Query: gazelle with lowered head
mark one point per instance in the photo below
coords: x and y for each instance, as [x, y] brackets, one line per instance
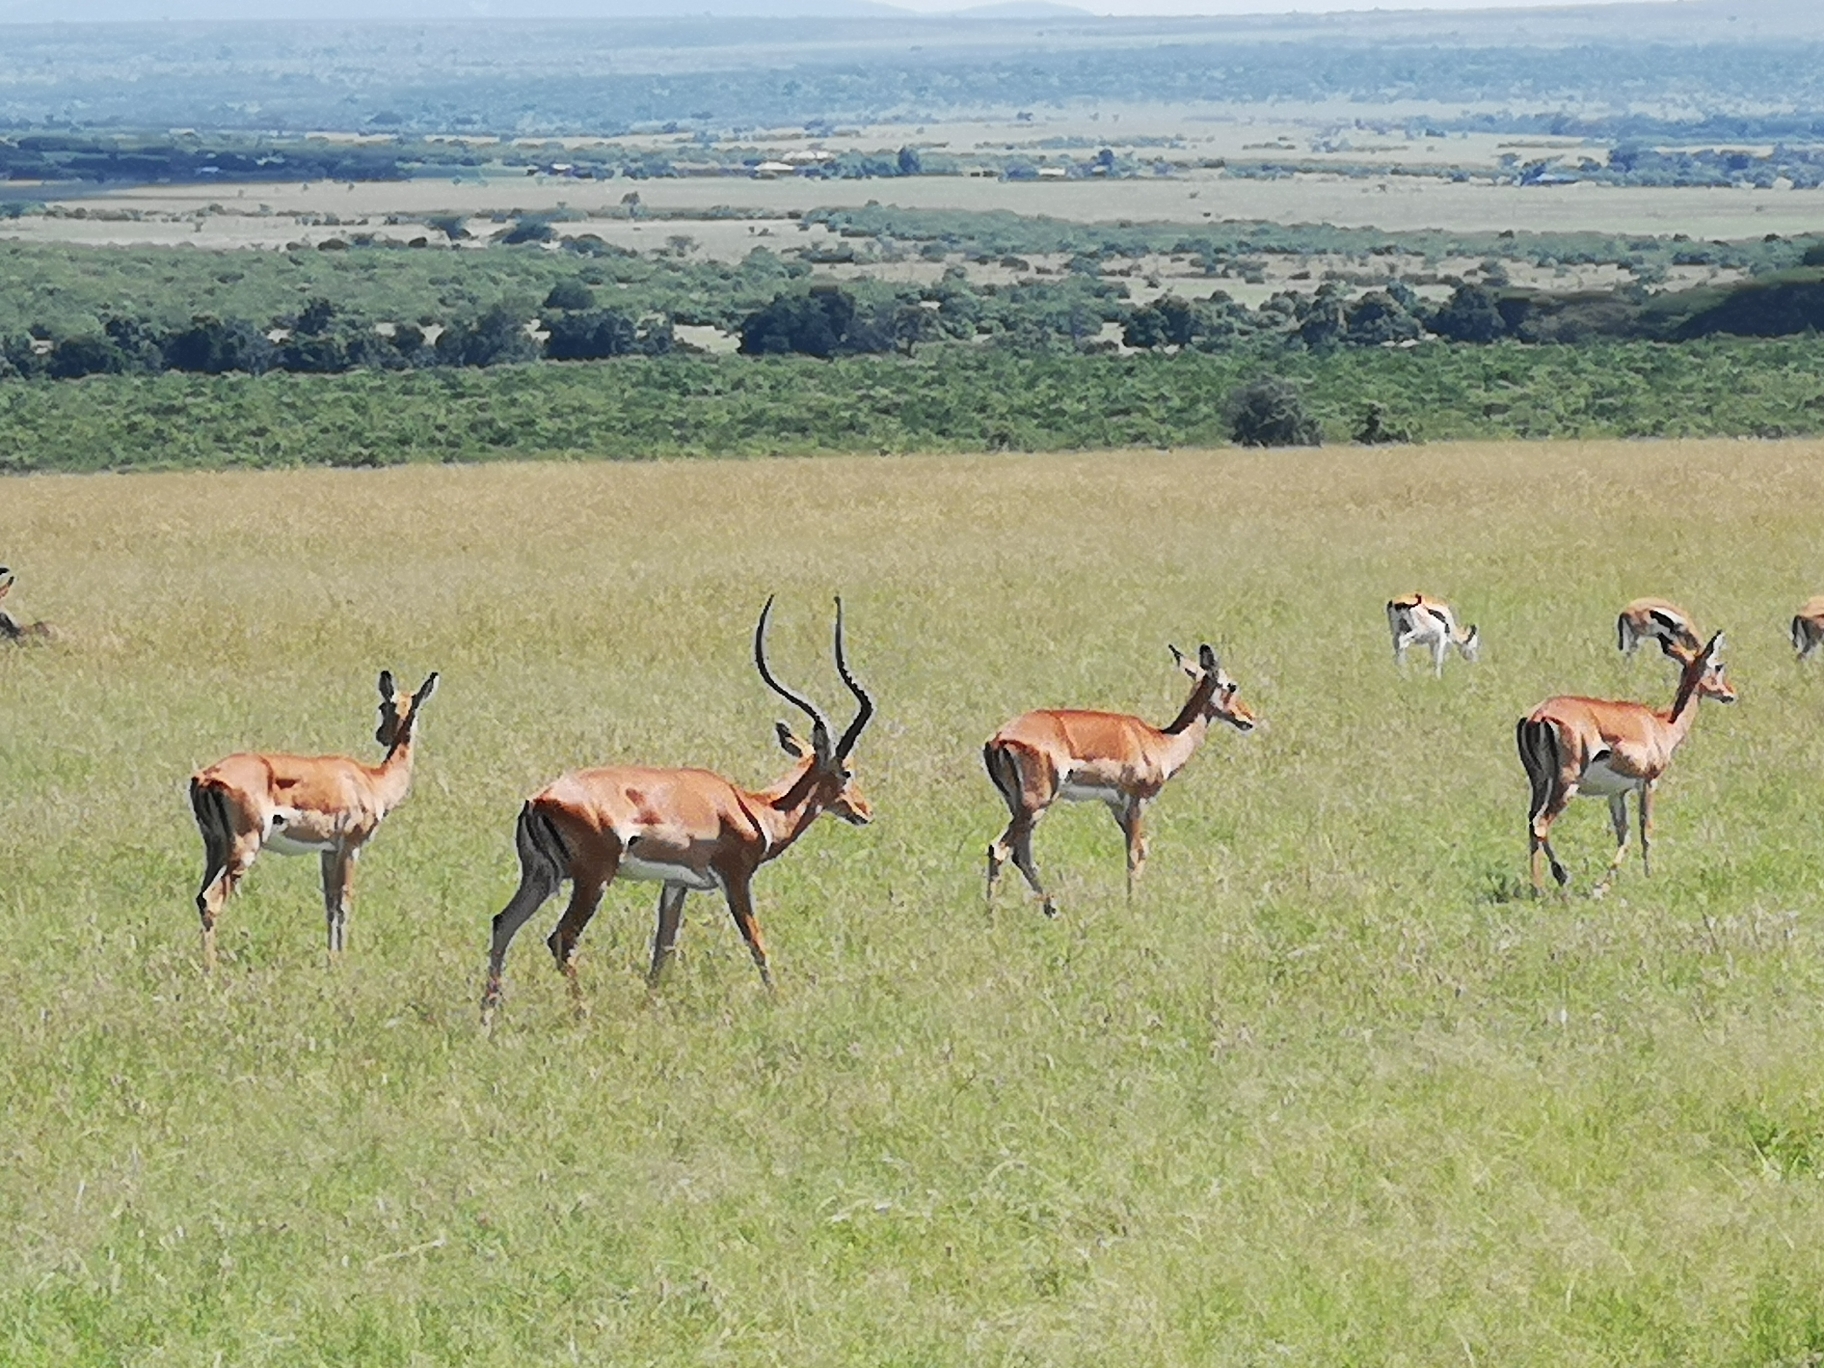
[1808, 627]
[1421, 620]
[1066, 755]
[688, 830]
[11, 629]
[324, 805]
[1656, 620]
[1598, 748]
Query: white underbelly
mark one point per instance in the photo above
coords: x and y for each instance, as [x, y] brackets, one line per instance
[1599, 781]
[1072, 791]
[281, 844]
[653, 871]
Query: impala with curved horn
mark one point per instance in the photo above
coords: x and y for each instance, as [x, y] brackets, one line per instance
[324, 805]
[1604, 749]
[1656, 620]
[688, 830]
[1066, 755]
[1421, 620]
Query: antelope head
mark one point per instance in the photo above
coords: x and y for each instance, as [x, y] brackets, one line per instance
[823, 763]
[1703, 672]
[1471, 644]
[1219, 691]
[399, 711]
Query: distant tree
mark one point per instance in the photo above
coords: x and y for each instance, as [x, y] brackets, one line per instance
[315, 317]
[531, 228]
[1167, 322]
[1373, 430]
[1813, 255]
[910, 164]
[498, 337]
[590, 335]
[1269, 411]
[215, 346]
[452, 226]
[820, 324]
[1378, 318]
[1469, 315]
[570, 293]
[87, 355]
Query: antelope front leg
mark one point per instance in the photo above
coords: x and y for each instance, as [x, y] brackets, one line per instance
[1131, 819]
[665, 939]
[338, 895]
[1646, 827]
[741, 907]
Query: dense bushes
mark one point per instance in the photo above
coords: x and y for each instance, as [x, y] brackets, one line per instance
[948, 399]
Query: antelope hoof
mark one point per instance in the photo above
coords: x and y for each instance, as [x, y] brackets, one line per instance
[1050, 908]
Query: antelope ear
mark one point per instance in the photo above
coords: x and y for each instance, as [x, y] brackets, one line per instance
[1206, 657]
[387, 691]
[1183, 664]
[790, 743]
[425, 690]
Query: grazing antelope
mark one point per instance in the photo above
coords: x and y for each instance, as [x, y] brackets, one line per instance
[11, 629]
[1421, 620]
[1604, 749]
[1054, 755]
[326, 805]
[688, 830]
[1651, 619]
[1808, 627]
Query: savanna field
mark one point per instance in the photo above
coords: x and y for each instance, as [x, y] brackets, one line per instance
[1332, 1088]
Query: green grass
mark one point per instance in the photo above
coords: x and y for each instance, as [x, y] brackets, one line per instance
[950, 398]
[1329, 1090]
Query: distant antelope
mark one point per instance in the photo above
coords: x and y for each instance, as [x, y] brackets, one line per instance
[688, 830]
[1056, 754]
[1808, 627]
[326, 805]
[1652, 619]
[11, 629]
[1421, 620]
[1602, 749]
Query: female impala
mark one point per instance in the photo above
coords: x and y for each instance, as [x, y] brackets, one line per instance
[327, 805]
[1808, 627]
[1421, 620]
[1043, 757]
[1652, 619]
[688, 830]
[1605, 749]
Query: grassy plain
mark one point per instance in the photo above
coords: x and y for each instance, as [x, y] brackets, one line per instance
[1329, 1090]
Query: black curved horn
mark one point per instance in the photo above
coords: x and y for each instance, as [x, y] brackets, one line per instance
[853, 734]
[820, 729]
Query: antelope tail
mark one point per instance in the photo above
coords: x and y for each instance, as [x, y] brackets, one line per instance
[1798, 633]
[1538, 745]
[541, 846]
[1003, 772]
